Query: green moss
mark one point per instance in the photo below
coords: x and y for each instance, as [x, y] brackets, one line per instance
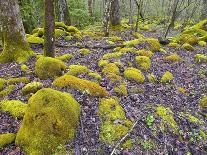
[49, 122]
[115, 38]
[102, 62]
[134, 74]
[144, 52]
[121, 89]
[188, 38]
[80, 84]
[2, 82]
[202, 43]
[85, 51]
[69, 38]
[167, 77]
[77, 69]
[201, 25]
[6, 139]
[143, 62]
[128, 144]
[111, 68]
[199, 58]
[188, 47]
[60, 25]
[59, 33]
[24, 68]
[131, 43]
[112, 55]
[47, 67]
[154, 44]
[110, 42]
[65, 57]
[6, 91]
[145, 27]
[32, 87]
[14, 107]
[38, 31]
[151, 77]
[204, 38]
[167, 116]
[110, 111]
[203, 102]
[173, 58]
[35, 40]
[95, 75]
[18, 80]
[173, 45]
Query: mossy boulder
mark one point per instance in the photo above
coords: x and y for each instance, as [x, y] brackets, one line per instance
[65, 57]
[85, 51]
[14, 107]
[173, 45]
[59, 33]
[172, 58]
[144, 52]
[6, 91]
[18, 80]
[47, 67]
[188, 47]
[35, 40]
[2, 82]
[188, 38]
[202, 43]
[95, 75]
[121, 89]
[6, 138]
[111, 68]
[154, 44]
[200, 58]
[134, 74]
[167, 77]
[49, 122]
[143, 62]
[24, 68]
[203, 102]
[102, 62]
[32, 87]
[77, 69]
[80, 84]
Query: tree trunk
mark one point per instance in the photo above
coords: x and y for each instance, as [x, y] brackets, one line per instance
[115, 13]
[130, 13]
[204, 10]
[62, 11]
[49, 29]
[90, 8]
[106, 17]
[15, 47]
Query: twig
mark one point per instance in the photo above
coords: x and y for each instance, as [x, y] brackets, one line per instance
[123, 138]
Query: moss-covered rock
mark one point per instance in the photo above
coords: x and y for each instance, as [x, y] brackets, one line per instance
[167, 77]
[59, 33]
[80, 84]
[199, 58]
[6, 91]
[85, 51]
[18, 80]
[144, 52]
[68, 38]
[154, 44]
[172, 58]
[112, 55]
[35, 40]
[95, 75]
[188, 47]
[32, 87]
[6, 138]
[24, 68]
[111, 68]
[202, 43]
[102, 62]
[77, 69]
[65, 57]
[203, 102]
[60, 25]
[49, 122]
[143, 62]
[14, 107]
[134, 74]
[47, 67]
[188, 38]
[151, 78]
[121, 89]
[173, 45]
[2, 82]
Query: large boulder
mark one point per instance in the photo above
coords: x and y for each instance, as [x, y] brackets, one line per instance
[49, 122]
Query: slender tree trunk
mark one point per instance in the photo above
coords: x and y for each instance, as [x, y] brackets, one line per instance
[204, 10]
[49, 28]
[106, 17]
[115, 13]
[15, 47]
[90, 8]
[130, 13]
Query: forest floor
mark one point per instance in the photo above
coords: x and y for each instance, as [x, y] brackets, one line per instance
[148, 137]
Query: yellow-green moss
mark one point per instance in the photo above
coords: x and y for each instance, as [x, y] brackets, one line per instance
[60, 25]
[85, 51]
[24, 68]
[128, 144]
[131, 43]
[173, 45]
[126, 49]
[204, 38]
[35, 40]
[32, 87]
[80, 84]
[121, 89]
[77, 69]
[151, 77]
[110, 111]
[2, 82]
[14, 107]
[112, 55]
[167, 116]
[18, 80]
[115, 38]
[6, 91]
[181, 90]
[49, 122]
[47, 67]
[114, 77]
[154, 44]
[38, 32]
[134, 74]
[172, 58]
[59, 33]
[68, 38]
[199, 58]
[167, 77]
[102, 62]
[188, 47]
[188, 38]
[111, 68]
[143, 62]
[6, 138]
[65, 57]
[202, 43]
[144, 52]
[145, 27]
[203, 102]
[200, 25]
[110, 42]
[118, 64]
[95, 75]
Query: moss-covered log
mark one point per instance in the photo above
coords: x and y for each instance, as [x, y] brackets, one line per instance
[15, 46]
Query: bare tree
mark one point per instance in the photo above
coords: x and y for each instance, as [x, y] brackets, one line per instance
[49, 28]
[115, 13]
[204, 10]
[90, 11]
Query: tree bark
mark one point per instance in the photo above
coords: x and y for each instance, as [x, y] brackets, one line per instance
[15, 46]
[49, 29]
[106, 17]
[204, 10]
[115, 13]
[90, 11]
